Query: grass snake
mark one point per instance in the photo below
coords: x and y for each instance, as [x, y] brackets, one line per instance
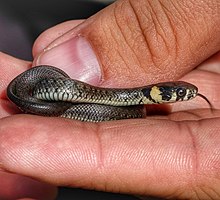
[48, 91]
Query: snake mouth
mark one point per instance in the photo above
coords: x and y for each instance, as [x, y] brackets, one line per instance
[191, 95]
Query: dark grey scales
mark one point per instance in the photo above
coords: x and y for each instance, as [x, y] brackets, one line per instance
[48, 91]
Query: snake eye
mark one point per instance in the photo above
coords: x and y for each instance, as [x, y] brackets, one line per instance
[181, 92]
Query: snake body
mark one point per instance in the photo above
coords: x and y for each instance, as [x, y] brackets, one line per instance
[47, 90]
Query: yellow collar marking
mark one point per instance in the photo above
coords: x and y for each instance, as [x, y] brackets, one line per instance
[155, 94]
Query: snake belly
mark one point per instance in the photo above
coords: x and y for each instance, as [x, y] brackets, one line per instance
[48, 91]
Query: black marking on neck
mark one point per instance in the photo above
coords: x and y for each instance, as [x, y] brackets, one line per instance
[146, 91]
[166, 93]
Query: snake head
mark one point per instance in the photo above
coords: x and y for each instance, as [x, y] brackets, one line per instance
[178, 91]
[170, 92]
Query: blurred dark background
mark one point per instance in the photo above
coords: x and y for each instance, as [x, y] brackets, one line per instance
[21, 22]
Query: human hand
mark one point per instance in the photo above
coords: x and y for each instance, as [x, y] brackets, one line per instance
[136, 43]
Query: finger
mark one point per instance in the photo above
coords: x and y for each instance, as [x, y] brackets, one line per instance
[212, 64]
[208, 83]
[17, 187]
[143, 41]
[53, 33]
[10, 68]
[119, 156]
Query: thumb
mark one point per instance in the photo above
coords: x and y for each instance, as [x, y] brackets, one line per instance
[143, 41]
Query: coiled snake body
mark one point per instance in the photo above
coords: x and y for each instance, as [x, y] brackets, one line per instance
[46, 90]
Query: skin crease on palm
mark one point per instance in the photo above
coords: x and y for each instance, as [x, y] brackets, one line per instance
[173, 156]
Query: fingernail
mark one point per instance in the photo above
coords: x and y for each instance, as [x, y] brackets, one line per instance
[76, 57]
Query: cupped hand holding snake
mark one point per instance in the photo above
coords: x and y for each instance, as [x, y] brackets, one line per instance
[129, 44]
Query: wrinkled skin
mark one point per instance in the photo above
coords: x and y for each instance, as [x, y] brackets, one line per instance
[172, 156]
